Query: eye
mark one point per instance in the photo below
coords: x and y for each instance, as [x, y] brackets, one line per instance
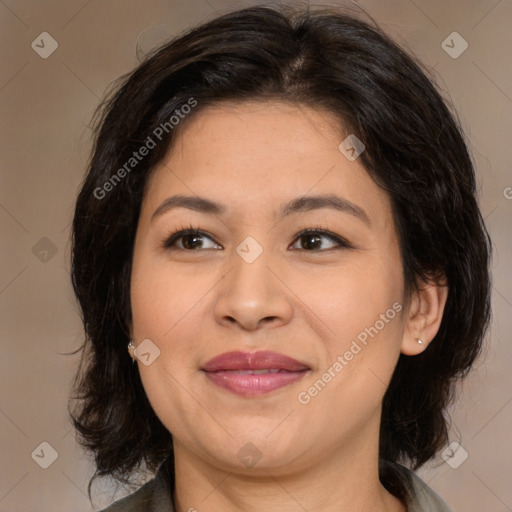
[313, 240]
[189, 239]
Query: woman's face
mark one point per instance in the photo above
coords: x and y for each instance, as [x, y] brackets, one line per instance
[250, 283]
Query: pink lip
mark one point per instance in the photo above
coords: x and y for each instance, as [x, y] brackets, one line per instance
[262, 360]
[224, 369]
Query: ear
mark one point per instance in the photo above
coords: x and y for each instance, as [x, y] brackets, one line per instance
[424, 316]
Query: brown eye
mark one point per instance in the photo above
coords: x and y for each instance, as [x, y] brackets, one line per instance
[311, 240]
[188, 240]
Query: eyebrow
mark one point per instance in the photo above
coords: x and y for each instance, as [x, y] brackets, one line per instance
[299, 204]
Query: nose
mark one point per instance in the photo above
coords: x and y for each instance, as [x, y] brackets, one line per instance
[253, 295]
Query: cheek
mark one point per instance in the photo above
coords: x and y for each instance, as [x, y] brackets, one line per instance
[163, 304]
[351, 298]
[164, 310]
[162, 297]
[361, 306]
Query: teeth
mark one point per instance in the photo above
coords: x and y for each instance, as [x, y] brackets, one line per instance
[254, 372]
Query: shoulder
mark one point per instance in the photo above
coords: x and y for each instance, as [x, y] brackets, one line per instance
[153, 496]
[420, 496]
[139, 500]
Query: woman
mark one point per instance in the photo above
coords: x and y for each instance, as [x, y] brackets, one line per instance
[279, 223]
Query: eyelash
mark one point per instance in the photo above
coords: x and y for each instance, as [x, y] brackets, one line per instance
[169, 241]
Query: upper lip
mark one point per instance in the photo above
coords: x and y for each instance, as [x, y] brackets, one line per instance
[262, 360]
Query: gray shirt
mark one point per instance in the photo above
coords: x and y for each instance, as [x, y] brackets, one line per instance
[156, 495]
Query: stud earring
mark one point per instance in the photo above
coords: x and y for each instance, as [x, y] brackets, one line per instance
[420, 342]
[131, 345]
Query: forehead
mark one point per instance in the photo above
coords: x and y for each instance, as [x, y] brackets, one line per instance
[257, 155]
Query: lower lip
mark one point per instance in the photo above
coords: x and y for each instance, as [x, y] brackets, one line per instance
[253, 385]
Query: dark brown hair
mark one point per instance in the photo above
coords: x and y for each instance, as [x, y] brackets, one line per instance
[415, 150]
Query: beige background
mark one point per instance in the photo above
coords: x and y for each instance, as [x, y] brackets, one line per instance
[46, 106]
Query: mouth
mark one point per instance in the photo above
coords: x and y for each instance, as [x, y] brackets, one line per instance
[252, 374]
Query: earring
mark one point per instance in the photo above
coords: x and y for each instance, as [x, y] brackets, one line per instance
[131, 345]
[420, 342]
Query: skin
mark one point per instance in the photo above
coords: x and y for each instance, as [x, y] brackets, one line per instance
[310, 304]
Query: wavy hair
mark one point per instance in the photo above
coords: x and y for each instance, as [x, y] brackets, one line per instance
[415, 150]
